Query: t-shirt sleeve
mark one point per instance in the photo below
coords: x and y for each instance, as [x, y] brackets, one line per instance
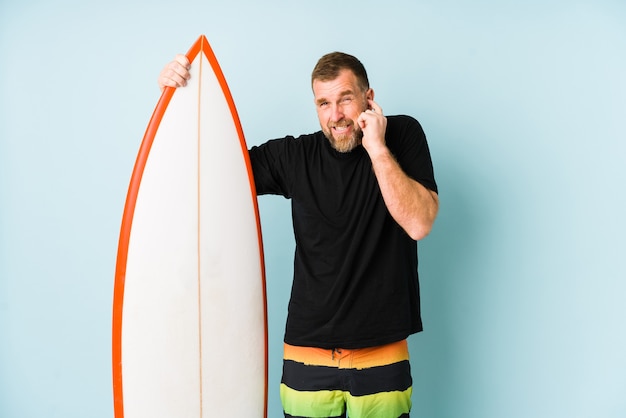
[407, 141]
[270, 167]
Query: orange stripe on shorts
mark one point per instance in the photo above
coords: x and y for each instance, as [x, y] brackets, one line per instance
[361, 358]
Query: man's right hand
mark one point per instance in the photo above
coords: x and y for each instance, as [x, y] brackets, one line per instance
[176, 73]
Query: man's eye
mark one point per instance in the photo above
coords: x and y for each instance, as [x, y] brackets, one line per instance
[346, 100]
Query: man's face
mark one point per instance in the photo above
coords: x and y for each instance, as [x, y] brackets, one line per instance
[339, 103]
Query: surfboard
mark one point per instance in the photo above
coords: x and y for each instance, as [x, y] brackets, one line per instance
[189, 304]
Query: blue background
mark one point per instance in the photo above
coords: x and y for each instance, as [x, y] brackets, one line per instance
[523, 103]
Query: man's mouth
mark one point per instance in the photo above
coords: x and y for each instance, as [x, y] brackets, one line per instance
[341, 129]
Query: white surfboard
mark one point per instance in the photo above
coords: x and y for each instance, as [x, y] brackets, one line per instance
[189, 311]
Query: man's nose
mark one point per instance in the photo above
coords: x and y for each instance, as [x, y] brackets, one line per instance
[336, 112]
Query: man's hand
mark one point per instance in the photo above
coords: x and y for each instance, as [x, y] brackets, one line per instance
[176, 73]
[373, 124]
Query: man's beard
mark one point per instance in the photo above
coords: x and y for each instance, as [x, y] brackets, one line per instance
[344, 143]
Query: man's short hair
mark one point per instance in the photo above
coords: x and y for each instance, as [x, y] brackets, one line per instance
[330, 65]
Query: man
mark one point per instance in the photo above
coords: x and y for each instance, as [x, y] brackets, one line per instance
[362, 192]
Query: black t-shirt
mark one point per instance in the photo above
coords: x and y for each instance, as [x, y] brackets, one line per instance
[355, 269]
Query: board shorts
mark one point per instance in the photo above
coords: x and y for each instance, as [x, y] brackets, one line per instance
[364, 383]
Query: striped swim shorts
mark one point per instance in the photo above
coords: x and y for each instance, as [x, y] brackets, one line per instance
[363, 383]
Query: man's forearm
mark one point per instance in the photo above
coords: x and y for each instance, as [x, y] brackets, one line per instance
[413, 206]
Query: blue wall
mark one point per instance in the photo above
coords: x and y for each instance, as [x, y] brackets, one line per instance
[524, 105]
